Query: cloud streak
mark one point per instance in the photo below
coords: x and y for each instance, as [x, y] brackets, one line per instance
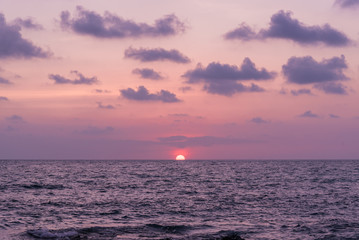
[332, 88]
[156, 54]
[4, 81]
[347, 3]
[142, 94]
[3, 98]
[13, 45]
[283, 26]
[302, 91]
[101, 106]
[80, 80]
[223, 79]
[148, 73]
[308, 114]
[112, 26]
[201, 141]
[28, 23]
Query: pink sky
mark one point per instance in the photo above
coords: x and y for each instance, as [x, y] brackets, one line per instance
[152, 79]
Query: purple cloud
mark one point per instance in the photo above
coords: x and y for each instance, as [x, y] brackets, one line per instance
[302, 91]
[91, 130]
[156, 54]
[142, 94]
[102, 91]
[283, 26]
[112, 26]
[306, 70]
[15, 119]
[202, 141]
[308, 114]
[28, 23]
[222, 78]
[13, 45]
[81, 79]
[101, 106]
[347, 3]
[259, 120]
[332, 88]
[148, 73]
[333, 116]
[3, 98]
[185, 89]
[3, 80]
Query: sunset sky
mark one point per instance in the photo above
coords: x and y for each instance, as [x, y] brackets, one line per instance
[208, 79]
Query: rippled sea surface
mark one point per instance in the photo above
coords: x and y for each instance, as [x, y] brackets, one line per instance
[179, 199]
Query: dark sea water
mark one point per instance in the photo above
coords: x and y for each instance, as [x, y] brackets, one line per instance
[179, 200]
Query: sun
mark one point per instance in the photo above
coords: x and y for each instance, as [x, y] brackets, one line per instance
[180, 158]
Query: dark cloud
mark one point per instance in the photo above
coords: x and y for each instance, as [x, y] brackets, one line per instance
[13, 45]
[283, 26]
[202, 141]
[101, 106]
[222, 78]
[302, 91]
[4, 81]
[3, 98]
[259, 120]
[230, 88]
[332, 88]
[28, 23]
[81, 79]
[148, 73]
[15, 118]
[91, 130]
[156, 54]
[112, 26]
[306, 70]
[309, 114]
[333, 116]
[347, 3]
[142, 94]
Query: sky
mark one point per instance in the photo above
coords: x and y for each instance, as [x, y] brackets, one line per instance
[208, 79]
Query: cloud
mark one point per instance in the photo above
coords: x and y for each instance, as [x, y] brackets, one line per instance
[333, 116]
[3, 80]
[201, 141]
[81, 79]
[185, 89]
[15, 119]
[308, 114]
[147, 73]
[180, 115]
[112, 26]
[28, 23]
[347, 3]
[12, 45]
[283, 26]
[222, 78]
[101, 106]
[332, 88]
[91, 130]
[259, 120]
[306, 70]
[142, 94]
[3, 98]
[156, 54]
[302, 91]
[102, 91]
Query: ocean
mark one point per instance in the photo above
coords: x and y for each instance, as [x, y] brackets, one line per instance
[266, 199]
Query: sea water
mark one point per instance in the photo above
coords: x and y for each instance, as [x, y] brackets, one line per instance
[265, 199]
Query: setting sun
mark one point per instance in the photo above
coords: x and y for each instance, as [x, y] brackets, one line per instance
[180, 158]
